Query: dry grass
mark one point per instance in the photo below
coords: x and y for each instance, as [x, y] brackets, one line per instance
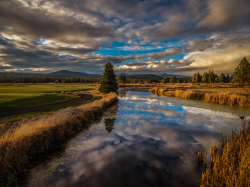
[229, 162]
[220, 98]
[239, 91]
[33, 136]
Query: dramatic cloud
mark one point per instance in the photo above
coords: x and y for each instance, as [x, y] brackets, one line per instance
[139, 36]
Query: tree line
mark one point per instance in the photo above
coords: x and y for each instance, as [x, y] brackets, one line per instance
[49, 80]
[241, 74]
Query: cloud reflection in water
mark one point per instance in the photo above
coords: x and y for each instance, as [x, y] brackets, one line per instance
[151, 143]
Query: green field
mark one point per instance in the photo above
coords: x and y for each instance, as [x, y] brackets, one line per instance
[15, 96]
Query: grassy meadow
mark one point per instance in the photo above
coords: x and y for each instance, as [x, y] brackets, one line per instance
[15, 96]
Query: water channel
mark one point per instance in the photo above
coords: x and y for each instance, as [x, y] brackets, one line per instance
[143, 140]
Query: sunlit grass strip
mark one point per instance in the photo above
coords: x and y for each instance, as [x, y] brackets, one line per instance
[229, 162]
[220, 97]
[37, 135]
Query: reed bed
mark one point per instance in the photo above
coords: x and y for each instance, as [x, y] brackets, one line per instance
[220, 97]
[33, 136]
[229, 162]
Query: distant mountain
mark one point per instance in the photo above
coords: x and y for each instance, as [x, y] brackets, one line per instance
[122, 74]
[143, 77]
[170, 75]
[88, 72]
[67, 72]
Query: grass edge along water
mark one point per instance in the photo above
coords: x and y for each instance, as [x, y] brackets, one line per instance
[37, 135]
[219, 98]
[229, 162]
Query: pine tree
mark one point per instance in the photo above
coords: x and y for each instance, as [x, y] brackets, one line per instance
[179, 81]
[228, 79]
[109, 81]
[211, 76]
[198, 77]
[194, 78]
[222, 78]
[173, 79]
[242, 72]
[216, 80]
[122, 79]
[165, 80]
[204, 78]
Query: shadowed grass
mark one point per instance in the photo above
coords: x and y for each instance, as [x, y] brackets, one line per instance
[11, 119]
[43, 99]
[36, 135]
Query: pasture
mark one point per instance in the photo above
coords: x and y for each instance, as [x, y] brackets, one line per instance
[16, 96]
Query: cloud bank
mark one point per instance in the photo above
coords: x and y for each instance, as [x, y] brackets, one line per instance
[136, 36]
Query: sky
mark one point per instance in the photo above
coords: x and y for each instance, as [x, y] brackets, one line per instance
[136, 36]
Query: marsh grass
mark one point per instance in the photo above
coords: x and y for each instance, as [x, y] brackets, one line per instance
[30, 137]
[218, 97]
[229, 162]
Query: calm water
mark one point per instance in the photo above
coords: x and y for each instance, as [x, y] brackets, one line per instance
[143, 140]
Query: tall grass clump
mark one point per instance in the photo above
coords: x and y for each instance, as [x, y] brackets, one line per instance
[33, 136]
[227, 99]
[220, 98]
[230, 161]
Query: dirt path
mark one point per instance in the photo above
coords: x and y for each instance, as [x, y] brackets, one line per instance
[34, 109]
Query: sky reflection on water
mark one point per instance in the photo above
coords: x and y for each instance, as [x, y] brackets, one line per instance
[144, 140]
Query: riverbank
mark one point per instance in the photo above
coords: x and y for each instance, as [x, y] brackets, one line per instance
[26, 138]
[229, 162]
[219, 97]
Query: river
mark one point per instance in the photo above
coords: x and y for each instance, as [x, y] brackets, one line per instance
[143, 140]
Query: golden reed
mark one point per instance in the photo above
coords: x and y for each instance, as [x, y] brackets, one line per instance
[229, 162]
[36, 135]
[220, 98]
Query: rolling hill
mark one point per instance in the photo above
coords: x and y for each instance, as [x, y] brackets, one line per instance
[67, 72]
[178, 76]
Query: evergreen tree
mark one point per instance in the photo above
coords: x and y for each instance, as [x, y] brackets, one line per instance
[232, 77]
[204, 78]
[122, 79]
[222, 78]
[165, 80]
[211, 76]
[228, 79]
[179, 81]
[216, 80]
[194, 78]
[173, 79]
[153, 80]
[109, 81]
[198, 77]
[186, 81]
[242, 72]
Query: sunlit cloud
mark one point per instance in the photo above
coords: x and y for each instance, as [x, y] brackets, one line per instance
[180, 37]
